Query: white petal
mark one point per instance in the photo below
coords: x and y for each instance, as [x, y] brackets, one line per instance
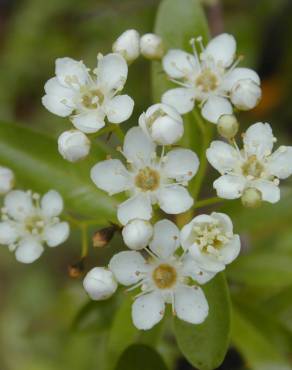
[112, 71]
[259, 139]
[206, 261]
[89, 122]
[177, 63]
[18, 204]
[174, 199]
[7, 180]
[224, 221]
[73, 145]
[138, 206]
[221, 49]
[186, 235]
[166, 131]
[148, 310]
[270, 191]
[99, 283]
[151, 46]
[127, 267]
[190, 304]
[191, 268]
[215, 107]
[229, 187]
[52, 204]
[165, 239]
[181, 98]
[71, 72]
[222, 156]
[56, 234]
[28, 250]
[280, 162]
[8, 233]
[128, 45]
[119, 109]
[111, 176]
[181, 164]
[55, 105]
[137, 234]
[138, 147]
[231, 250]
[245, 94]
[239, 74]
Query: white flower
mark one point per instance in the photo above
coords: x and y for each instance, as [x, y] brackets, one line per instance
[6, 180]
[128, 45]
[89, 98]
[28, 222]
[137, 234]
[151, 46]
[210, 241]
[73, 145]
[165, 277]
[162, 123]
[255, 166]
[148, 179]
[210, 78]
[100, 283]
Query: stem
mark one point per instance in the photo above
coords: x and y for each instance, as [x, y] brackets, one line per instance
[84, 246]
[207, 202]
[119, 132]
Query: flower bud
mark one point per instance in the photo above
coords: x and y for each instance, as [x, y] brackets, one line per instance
[251, 198]
[245, 94]
[227, 126]
[137, 234]
[151, 46]
[100, 283]
[162, 123]
[6, 180]
[76, 269]
[73, 145]
[128, 45]
[102, 237]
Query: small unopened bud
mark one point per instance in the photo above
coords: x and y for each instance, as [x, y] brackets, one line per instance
[151, 46]
[128, 45]
[245, 94]
[100, 283]
[6, 180]
[251, 198]
[227, 126]
[102, 237]
[162, 123]
[137, 234]
[73, 145]
[76, 270]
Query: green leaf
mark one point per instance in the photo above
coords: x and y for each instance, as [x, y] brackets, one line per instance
[38, 166]
[205, 345]
[142, 357]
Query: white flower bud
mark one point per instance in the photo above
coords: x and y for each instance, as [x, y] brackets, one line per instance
[100, 283]
[162, 123]
[251, 198]
[73, 145]
[128, 45]
[151, 46]
[245, 94]
[6, 180]
[227, 126]
[137, 234]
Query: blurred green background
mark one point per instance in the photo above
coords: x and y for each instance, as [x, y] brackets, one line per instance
[39, 302]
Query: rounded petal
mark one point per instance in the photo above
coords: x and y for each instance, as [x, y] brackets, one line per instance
[111, 176]
[207, 261]
[127, 267]
[224, 221]
[18, 204]
[221, 49]
[7, 180]
[56, 234]
[112, 71]
[177, 63]
[148, 310]
[151, 46]
[174, 199]
[245, 94]
[138, 206]
[52, 204]
[186, 237]
[137, 234]
[128, 45]
[138, 147]
[229, 187]
[55, 105]
[73, 145]
[71, 73]
[88, 122]
[119, 109]
[231, 78]
[222, 156]
[270, 191]
[181, 164]
[191, 268]
[190, 304]
[280, 162]
[259, 139]
[231, 250]
[100, 283]
[8, 233]
[165, 239]
[28, 250]
[181, 98]
[166, 131]
[215, 107]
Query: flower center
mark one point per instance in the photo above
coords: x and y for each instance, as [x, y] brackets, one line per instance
[91, 99]
[164, 276]
[207, 81]
[34, 225]
[252, 167]
[147, 179]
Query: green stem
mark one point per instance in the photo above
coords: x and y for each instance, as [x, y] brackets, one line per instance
[119, 132]
[207, 202]
[84, 246]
